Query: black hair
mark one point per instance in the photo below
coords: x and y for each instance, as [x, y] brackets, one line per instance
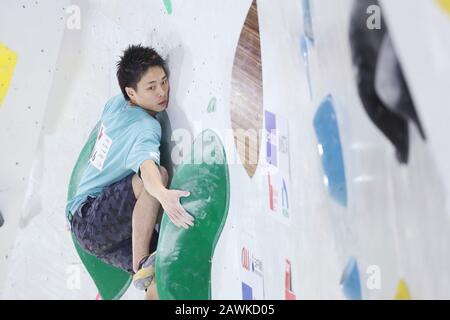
[134, 63]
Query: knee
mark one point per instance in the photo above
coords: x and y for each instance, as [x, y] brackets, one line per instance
[138, 186]
[164, 176]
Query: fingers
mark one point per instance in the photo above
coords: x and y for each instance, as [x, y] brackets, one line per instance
[179, 223]
[182, 213]
[185, 217]
[177, 214]
[185, 193]
[180, 217]
[175, 221]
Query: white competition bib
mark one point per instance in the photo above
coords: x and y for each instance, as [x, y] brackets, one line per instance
[101, 149]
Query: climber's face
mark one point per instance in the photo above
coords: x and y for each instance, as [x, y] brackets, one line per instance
[152, 92]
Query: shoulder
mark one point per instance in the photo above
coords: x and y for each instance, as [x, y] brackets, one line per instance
[115, 103]
[147, 125]
[150, 124]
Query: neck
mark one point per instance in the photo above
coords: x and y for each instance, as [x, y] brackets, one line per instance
[152, 113]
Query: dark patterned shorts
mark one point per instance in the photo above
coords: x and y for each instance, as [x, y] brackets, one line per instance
[103, 225]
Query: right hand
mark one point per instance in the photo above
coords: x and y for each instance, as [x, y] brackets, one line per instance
[170, 201]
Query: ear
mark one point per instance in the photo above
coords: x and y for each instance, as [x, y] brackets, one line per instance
[130, 92]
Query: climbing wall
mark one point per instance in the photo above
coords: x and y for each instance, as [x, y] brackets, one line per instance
[327, 198]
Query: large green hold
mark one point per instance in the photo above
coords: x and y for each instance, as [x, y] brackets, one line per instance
[183, 263]
[111, 282]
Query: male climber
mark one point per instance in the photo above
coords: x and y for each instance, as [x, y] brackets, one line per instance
[117, 204]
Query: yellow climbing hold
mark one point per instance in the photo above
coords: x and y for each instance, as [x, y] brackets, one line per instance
[402, 291]
[8, 60]
[445, 4]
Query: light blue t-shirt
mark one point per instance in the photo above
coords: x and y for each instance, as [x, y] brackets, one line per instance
[127, 136]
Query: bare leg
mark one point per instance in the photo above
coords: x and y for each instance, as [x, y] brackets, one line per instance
[152, 293]
[145, 214]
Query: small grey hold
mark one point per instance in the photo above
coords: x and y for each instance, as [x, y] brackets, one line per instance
[2, 221]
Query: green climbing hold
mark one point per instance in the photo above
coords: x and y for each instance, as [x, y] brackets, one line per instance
[212, 105]
[111, 282]
[168, 5]
[183, 263]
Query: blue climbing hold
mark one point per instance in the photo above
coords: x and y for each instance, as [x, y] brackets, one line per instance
[329, 146]
[350, 283]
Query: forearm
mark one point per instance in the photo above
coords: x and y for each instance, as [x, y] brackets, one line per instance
[169, 199]
[151, 178]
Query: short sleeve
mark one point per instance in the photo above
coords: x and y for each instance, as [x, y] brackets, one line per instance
[145, 147]
[114, 104]
[108, 105]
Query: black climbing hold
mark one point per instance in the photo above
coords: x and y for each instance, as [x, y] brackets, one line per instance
[2, 221]
[381, 85]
